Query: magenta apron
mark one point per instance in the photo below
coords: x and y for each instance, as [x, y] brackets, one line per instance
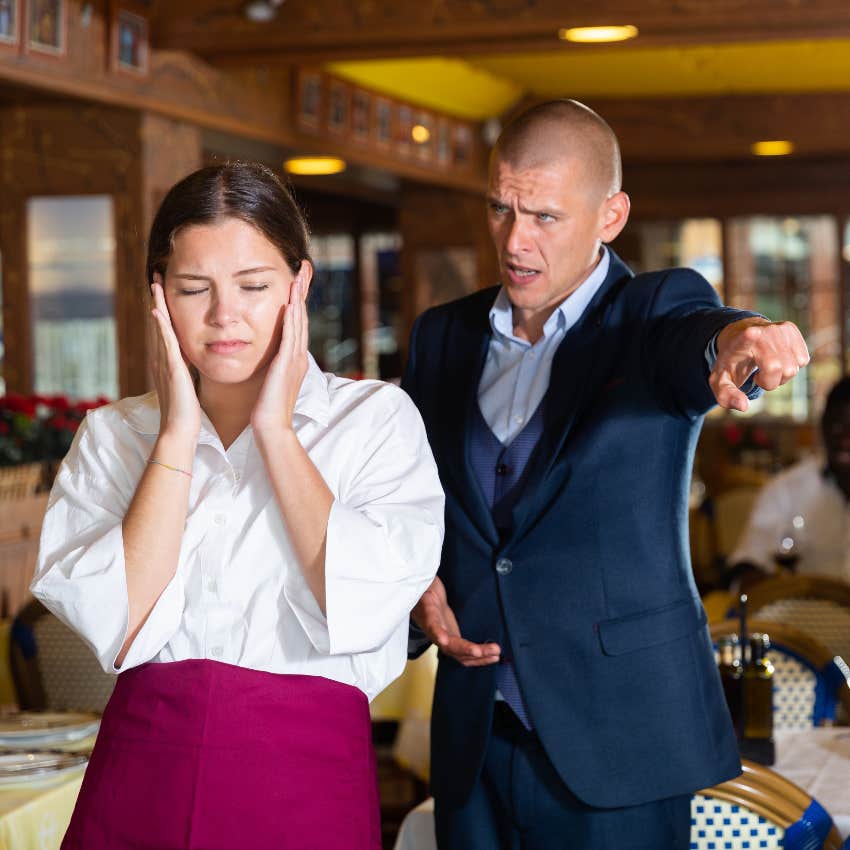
[200, 755]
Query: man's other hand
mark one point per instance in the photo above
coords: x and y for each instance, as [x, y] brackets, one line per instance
[434, 616]
[776, 349]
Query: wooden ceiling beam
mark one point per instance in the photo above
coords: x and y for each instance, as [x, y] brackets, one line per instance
[723, 128]
[318, 30]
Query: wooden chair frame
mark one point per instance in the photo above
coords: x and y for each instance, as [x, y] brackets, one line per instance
[770, 795]
[796, 587]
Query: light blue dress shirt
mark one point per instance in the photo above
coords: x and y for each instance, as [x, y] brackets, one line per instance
[516, 373]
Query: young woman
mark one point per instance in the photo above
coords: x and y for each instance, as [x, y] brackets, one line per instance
[243, 546]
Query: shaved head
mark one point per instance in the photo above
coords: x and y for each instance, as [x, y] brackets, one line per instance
[561, 130]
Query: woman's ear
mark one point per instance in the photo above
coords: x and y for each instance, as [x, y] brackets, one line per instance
[305, 275]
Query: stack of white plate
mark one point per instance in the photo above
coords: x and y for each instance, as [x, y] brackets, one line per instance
[35, 766]
[40, 729]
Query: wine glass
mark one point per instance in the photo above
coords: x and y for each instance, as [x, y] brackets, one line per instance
[789, 545]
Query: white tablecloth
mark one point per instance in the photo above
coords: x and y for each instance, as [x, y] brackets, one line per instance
[818, 760]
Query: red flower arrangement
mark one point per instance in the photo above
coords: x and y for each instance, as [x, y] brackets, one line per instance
[39, 428]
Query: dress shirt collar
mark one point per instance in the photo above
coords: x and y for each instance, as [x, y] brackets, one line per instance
[567, 313]
[313, 402]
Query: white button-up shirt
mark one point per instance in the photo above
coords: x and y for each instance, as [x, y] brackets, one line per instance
[238, 594]
[808, 506]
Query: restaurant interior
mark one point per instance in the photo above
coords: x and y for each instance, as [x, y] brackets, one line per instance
[733, 118]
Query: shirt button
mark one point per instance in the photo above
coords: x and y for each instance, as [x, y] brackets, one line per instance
[211, 585]
[502, 469]
[216, 651]
[519, 420]
[504, 566]
[219, 519]
[236, 475]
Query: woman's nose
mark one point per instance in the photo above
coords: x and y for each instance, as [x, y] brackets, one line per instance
[223, 309]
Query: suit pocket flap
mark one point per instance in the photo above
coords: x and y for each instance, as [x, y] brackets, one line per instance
[651, 628]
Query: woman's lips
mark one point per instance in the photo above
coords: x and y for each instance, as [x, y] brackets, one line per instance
[227, 346]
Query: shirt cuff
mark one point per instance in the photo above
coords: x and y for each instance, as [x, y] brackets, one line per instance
[749, 388]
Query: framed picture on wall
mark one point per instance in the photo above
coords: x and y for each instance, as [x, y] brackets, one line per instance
[10, 24]
[46, 27]
[443, 144]
[424, 136]
[309, 100]
[339, 105]
[361, 107]
[403, 128]
[383, 123]
[461, 145]
[128, 38]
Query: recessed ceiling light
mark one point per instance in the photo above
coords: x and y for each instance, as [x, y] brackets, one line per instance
[598, 35]
[420, 133]
[261, 11]
[314, 165]
[774, 147]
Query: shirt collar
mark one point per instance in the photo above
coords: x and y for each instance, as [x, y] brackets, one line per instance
[313, 402]
[567, 313]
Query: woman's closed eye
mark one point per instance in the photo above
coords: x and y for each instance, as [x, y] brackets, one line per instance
[254, 287]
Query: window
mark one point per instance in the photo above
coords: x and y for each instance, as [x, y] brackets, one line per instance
[332, 303]
[787, 269]
[695, 243]
[71, 255]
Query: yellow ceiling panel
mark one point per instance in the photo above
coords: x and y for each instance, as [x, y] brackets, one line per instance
[765, 67]
[483, 86]
[448, 85]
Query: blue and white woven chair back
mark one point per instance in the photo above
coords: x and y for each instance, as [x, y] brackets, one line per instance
[719, 824]
[798, 700]
[823, 619]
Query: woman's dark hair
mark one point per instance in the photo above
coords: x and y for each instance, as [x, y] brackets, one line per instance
[244, 190]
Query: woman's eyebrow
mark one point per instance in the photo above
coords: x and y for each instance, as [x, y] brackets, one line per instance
[255, 270]
[191, 276]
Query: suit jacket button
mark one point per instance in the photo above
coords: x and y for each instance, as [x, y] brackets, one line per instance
[504, 566]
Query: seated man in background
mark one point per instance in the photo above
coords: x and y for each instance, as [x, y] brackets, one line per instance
[801, 519]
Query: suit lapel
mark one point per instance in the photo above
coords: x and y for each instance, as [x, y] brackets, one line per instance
[467, 346]
[576, 366]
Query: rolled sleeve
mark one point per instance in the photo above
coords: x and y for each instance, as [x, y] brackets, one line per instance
[383, 543]
[80, 574]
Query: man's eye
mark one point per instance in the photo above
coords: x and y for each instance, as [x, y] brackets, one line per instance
[545, 217]
[499, 209]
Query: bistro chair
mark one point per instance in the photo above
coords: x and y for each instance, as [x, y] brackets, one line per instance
[809, 682]
[52, 667]
[820, 607]
[760, 809]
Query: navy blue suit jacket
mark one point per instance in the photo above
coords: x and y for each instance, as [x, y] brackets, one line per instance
[600, 610]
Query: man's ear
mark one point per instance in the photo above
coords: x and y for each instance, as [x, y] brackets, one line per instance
[615, 214]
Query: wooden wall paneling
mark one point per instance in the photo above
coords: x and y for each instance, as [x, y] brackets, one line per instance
[723, 128]
[66, 149]
[253, 100]
[721, 189]
[433, 218]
